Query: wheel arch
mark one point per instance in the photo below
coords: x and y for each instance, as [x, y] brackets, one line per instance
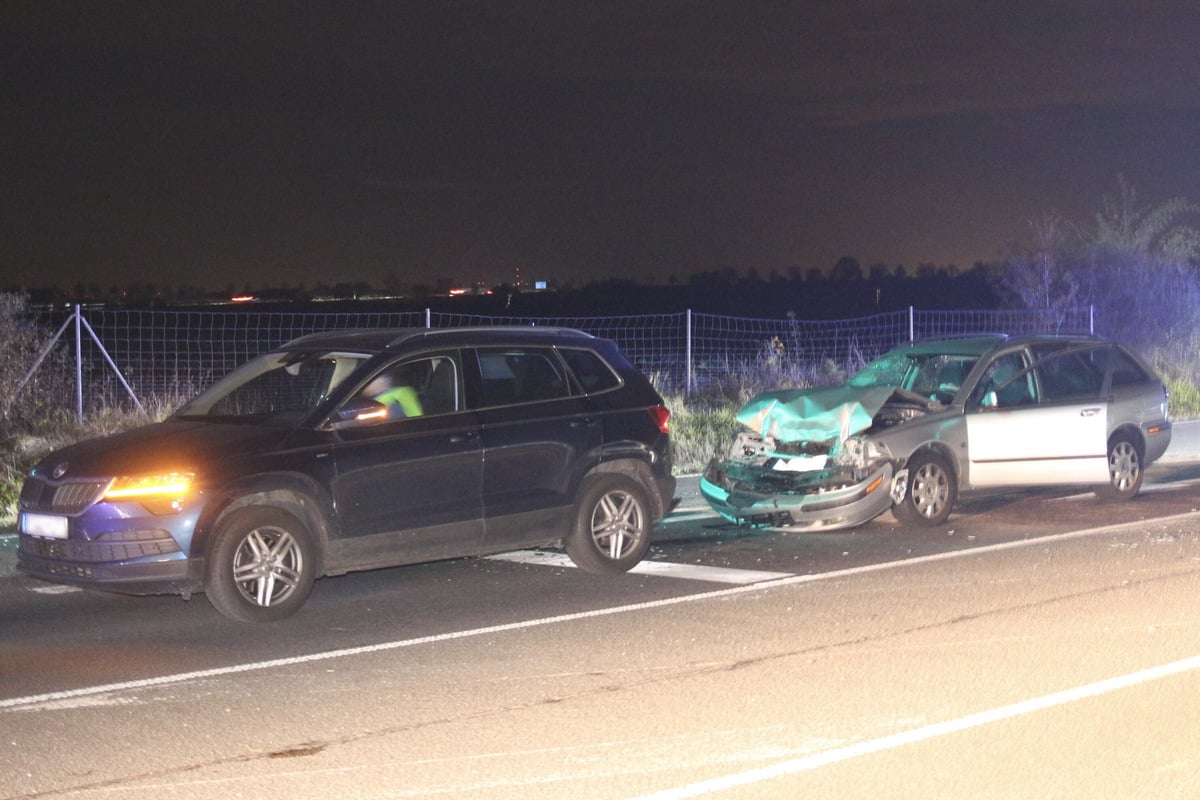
[939, 448]
[292, 493]
[1132, 432]
[633, 467]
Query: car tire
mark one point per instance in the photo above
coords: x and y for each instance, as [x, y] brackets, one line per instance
[1124, 469]
[931, 492]
[612, 525]
[261, 565]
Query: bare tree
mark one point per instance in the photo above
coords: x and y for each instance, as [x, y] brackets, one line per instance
[1043, 277]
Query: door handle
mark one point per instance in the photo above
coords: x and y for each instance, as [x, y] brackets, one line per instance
[586, 422]
[458, 438]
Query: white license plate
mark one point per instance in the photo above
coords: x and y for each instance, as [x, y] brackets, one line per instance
[48, 526]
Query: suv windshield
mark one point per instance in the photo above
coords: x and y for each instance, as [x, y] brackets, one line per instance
[275, 388]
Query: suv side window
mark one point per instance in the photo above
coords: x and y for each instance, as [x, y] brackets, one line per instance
[418, 387]
[592, 372]
[519, 375]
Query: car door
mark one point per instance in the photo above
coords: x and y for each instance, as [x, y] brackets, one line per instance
[408, 488]
[1038, 422]
[535, 428]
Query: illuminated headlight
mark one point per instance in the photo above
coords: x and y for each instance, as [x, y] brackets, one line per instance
[160, 494]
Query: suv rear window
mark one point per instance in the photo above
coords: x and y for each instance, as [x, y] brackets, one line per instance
[592, 372]
[520, 375]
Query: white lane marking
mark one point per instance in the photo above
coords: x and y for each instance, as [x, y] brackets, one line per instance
[58, 589]
[714, 574]
[817, 760]
[695, 572]
[682, 513]
[1147, 488]
[25, 703]
[1169, 485]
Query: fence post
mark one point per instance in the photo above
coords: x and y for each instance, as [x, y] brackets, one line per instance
[78, 364]
[912, 327]
[687, 386]
[80, 321]
[428, 318]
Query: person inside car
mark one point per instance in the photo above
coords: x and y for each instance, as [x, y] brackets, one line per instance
[401, 401]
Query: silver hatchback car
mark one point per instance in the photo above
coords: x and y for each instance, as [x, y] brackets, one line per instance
[926, 421]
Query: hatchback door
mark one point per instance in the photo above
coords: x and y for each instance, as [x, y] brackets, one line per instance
[1041, 423]
[408, 489]
[536, 429]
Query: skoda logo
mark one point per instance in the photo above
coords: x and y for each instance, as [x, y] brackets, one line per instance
[59, 470]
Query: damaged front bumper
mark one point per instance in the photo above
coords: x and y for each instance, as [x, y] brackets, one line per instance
[824, 499]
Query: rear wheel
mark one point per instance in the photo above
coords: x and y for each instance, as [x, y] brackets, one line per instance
[931, 491]
[261, 565]
[1124, 469]
[612, 525]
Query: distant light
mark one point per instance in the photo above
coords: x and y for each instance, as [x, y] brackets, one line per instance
[539, 285]
[457, 292]
[241, 298]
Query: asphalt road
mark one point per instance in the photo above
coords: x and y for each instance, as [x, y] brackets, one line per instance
[1041, 644]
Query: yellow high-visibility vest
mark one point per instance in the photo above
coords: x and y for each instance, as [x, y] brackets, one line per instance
[401, 402]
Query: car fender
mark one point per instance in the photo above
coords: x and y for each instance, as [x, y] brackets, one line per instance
[945, 432]
[634, 462]
[943, 449]
[293, 492]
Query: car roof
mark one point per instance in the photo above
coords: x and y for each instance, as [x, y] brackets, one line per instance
[979, 345]
[375, 340]
[968, 346]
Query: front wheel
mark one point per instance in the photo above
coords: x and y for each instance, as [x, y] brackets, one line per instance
[931, 491]
[1124, 470]
[261, 565]
[611, 531]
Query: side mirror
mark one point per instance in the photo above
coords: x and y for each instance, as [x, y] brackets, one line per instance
[359, 411]
[989, 400]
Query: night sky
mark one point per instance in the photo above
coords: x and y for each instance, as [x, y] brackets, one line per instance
[298, 143]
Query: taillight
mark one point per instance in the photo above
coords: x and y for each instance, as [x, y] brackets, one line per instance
[660, 415]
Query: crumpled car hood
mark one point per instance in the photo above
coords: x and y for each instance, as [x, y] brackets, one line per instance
[826, 415]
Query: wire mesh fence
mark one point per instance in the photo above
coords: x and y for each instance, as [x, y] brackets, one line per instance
[177, 353]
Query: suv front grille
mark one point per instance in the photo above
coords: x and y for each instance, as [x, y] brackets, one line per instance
[71, 497]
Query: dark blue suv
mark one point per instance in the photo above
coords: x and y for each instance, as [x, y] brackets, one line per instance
[354, 450]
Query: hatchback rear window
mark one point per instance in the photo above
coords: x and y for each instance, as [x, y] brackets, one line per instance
[1072, 375]
[1125, 370]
